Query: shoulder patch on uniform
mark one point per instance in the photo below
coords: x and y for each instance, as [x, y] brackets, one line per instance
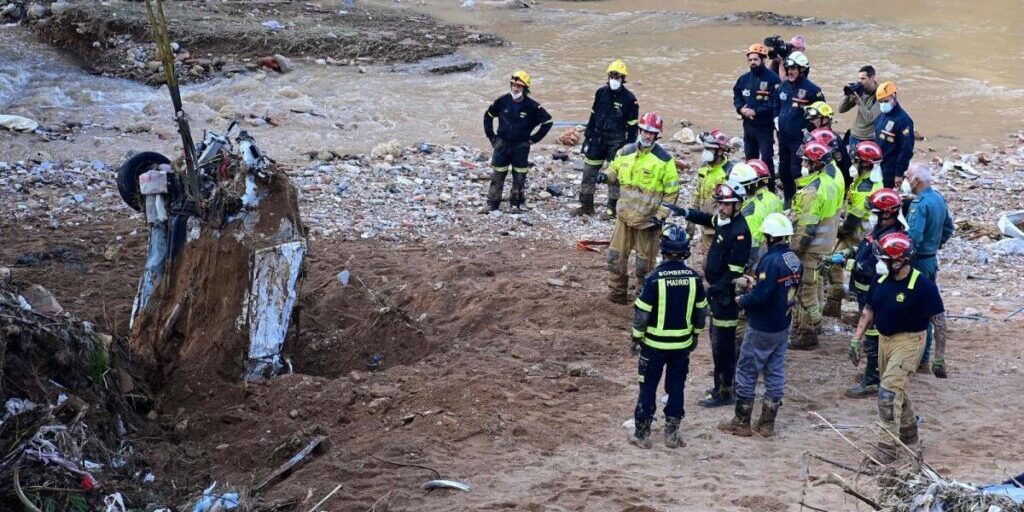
[660, 152]
[628, 149]
[791, 260]
[741, 237]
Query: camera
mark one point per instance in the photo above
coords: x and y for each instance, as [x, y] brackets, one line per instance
[777, 47]
[852, 88]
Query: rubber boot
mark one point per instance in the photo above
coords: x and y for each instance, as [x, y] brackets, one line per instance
[494, 191]
[517, 195]
[673, 435]
[833, 308]
[908, 434]
[804, 341]
[609, 211]
[586, 206]
[769, 410]
[886, 453]
[641, 435]
[862, 391]
[724, 396]
[618, 288]
[740, 424]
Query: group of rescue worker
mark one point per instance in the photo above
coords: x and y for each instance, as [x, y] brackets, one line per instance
[772, 266]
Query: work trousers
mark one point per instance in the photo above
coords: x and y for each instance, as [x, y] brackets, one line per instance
[598, 151]
[807, 317]
[676, 365]
[871, 377]
[762, 353]
[837, 273]
[759, 142]
[898, 357]
[506, 155]
[724, 319]
[789, 165]
[626, 239]
[929, 267]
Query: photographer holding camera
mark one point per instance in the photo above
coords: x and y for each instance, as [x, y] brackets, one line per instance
[779, 50]
[861, 94]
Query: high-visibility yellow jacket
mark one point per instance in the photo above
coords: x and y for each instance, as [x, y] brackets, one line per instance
[646, 179]
[709, 177]
[756, 208]
[816, 213]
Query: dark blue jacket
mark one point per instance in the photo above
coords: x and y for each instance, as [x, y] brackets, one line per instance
[517, 120]
[929, 223]
[863, 274]
[769, 303]
[793, 97]
[894, 132]
[614, 114]
[757, 89]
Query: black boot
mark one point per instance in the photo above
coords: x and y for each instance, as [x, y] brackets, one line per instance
[769, 410]
[494, 191]
[908, 434]
[517, 196]
[586, 206]
[609, 212]
[641, 435]
[673, 436]
[740, 424]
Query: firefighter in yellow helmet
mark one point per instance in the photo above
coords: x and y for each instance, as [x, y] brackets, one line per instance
[613, 123]
[521, 122]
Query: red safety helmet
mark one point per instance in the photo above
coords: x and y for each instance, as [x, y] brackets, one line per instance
[868, 152]
[824, 136]
[730, 192]
[762, 168]
[895, 247]
[715, 139]
[816, 152]
[884, 200]
[651, 122]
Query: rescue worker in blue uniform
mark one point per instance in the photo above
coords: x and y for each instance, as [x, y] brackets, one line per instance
[613, 123]
[885, 204]
[521, 122]
[894, 133]
[754, 97]
[725, 262]
[670, 312]
[768, 302]
[795, 93]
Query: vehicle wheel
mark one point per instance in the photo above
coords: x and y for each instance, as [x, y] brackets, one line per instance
[128, 176]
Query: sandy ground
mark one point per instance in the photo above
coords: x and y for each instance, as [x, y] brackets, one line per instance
[478, 355]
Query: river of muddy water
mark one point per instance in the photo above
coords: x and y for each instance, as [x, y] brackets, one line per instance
[959, 67]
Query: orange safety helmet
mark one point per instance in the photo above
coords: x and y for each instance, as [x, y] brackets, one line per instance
[885, 90]
[759, 49]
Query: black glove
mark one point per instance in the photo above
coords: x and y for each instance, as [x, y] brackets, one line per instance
[656, 222]
[601, 178]
[634, 348]
[939, 367]
[496, 142]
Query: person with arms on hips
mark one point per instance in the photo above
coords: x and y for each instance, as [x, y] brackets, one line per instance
[900, 304]
[816, 217]
[894, 133]
[521, 122]
[861, 95]
[885, 204]
[930, 226]
[726, 261]
[857, 220]
[670, 313]
[713, 171]
[767, 305]
[648, 177]
[754, 98]
[794, 94]
[613, 123]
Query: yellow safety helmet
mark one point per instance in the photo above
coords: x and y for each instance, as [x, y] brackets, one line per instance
[885, 90]
[818, 109]
[521, 77]
[618, 67]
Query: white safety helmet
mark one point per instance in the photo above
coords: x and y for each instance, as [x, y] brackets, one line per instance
[798, 59]
[776, 225]
[743, 174]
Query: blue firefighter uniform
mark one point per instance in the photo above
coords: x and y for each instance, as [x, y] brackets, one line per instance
[756, 90]
[792, 98]
[894, 133]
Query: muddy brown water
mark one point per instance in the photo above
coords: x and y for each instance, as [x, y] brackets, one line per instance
[958, 65]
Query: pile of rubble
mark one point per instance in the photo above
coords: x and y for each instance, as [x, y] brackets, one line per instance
[58, 194]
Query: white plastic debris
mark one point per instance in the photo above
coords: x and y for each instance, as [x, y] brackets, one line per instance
[18, 123]
[114, 503]
[343, 277]
[211, 502]
[1009, 222]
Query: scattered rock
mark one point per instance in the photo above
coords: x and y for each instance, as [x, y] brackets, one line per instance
[583, 369]
[458, 67]
[284, 64]
[42, 301]
[18, 123]
[556, 282]
[686, 136]
[380, 405]
[570, 137]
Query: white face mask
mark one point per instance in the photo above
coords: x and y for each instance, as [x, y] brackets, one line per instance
[881, 269]
[640, 142]
[614, 84]
[873, 220]
[876, 174]
[516, 95]
[804, 170]
[722, 221]
[707, 156]
[905, 187]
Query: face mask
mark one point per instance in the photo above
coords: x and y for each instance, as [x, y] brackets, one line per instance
[873, 220]
[804, 170]
[707, 156]
[640, 142]
[876, 174]
[885, 107]
[516, 95]
[881, 268]
[614, 84]
[905, 187]
[722, 221]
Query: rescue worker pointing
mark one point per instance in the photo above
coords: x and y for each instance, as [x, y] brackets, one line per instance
[648, 177]
[670, 313]
[518, 117]
[613, 123]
